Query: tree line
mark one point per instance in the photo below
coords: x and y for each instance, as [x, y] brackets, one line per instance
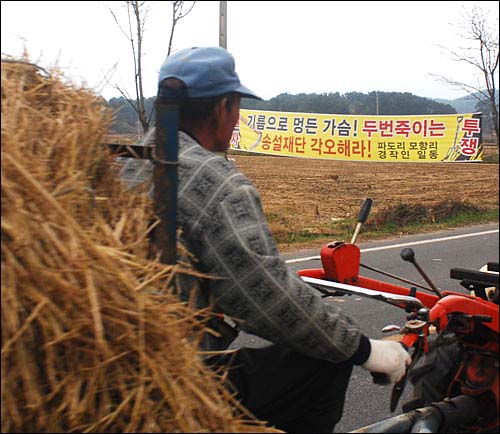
[353, 103]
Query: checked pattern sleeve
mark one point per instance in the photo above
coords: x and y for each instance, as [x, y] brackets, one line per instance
[225, 227]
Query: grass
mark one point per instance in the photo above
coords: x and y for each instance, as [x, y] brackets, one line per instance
[490, 159]
[417, 224]
[401, 219]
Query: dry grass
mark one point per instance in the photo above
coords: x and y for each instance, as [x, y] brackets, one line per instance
[92, 338]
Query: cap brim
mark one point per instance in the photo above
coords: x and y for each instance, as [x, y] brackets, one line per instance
[245, 92]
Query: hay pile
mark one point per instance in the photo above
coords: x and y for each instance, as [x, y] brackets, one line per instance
[92, 339]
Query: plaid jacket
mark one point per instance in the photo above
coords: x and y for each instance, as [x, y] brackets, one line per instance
[223, 225]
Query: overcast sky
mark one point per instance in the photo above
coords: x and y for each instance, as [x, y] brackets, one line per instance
[279, 47]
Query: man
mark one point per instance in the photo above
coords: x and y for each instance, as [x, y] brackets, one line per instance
[299, 382]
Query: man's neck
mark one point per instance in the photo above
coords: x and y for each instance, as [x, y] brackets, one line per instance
[204, 138]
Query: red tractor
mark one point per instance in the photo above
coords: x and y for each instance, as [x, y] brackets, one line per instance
[452, 336]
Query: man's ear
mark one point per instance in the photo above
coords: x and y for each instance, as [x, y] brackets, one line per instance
[217, 112]
[220, 106]
[226, 103]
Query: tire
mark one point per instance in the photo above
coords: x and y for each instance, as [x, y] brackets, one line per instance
[432, 374]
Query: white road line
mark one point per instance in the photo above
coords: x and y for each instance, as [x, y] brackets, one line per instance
[395, 246]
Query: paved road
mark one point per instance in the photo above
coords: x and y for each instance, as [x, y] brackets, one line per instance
[436, 253]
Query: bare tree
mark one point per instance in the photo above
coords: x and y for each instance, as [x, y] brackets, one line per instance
[137, 12]
[483, 55]
[178, 13]
[136, 17]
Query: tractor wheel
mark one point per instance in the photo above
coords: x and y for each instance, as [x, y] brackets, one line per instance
[433, 373]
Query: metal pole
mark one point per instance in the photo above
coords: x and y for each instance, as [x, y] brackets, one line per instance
[165, 178]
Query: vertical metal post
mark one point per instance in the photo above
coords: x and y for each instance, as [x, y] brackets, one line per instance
[223, 24]
[165, 178]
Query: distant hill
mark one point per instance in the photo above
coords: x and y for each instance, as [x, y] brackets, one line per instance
[354, 103]
[464, 104]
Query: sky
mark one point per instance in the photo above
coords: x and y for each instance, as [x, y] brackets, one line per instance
[279, 47]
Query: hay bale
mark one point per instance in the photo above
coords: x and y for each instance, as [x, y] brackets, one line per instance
[93, 339]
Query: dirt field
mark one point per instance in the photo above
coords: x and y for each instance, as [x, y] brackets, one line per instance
[311, 194]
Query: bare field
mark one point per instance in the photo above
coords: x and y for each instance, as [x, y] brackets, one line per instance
[307, 194]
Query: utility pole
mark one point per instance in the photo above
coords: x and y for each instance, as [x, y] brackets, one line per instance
[223, 24]
[377, 102]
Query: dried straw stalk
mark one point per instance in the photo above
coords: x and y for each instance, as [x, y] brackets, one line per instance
[92, 338]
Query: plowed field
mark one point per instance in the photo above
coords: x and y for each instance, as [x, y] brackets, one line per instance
[306, 194]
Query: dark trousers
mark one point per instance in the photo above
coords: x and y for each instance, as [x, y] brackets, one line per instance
[291, 391]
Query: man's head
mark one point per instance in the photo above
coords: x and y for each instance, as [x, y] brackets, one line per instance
[206, 72]
[205, 84]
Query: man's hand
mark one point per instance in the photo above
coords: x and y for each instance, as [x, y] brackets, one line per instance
[387, 357]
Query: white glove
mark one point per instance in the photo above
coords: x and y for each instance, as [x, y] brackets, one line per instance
[388, 357]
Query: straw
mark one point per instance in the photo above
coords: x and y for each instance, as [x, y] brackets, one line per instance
[93, 337]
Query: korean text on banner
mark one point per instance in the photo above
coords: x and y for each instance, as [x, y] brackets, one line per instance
[425, 138]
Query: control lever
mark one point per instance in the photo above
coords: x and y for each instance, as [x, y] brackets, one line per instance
[363, 215]
[403, 301]
[408, 255]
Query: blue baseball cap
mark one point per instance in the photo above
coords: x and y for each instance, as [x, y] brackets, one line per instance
[206, 72]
